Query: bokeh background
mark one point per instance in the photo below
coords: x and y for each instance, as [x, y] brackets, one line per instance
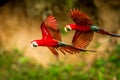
[19, 25]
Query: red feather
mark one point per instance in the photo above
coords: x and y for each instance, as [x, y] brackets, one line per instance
[82, 39]
[45, 33]
[51, 23]
[84, 29]
[52, 39]
[52, 49]
[79, 17]
[83, 36]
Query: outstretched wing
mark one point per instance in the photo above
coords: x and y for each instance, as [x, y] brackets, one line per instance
[79, 17]
[53, 50]
[51, 23]
[82, 39]
[70, 49]
[49, 28]
[45, 32]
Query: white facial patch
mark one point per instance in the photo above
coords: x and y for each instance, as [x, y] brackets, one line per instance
[34, 44]
[67, 28]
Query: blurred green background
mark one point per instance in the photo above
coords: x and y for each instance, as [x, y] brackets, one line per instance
[19, 25]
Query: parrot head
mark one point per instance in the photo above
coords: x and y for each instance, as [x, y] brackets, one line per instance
[69, 27]
[34, 44]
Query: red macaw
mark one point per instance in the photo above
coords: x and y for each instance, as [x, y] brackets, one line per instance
[84, 29]
[51, 38]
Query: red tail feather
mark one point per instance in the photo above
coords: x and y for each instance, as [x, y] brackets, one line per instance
[108, 33]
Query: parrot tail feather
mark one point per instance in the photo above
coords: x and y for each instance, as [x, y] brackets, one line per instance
[108, 33]
[98, 30]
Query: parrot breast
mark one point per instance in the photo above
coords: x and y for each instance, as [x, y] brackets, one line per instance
[50, 42]
[47, 42]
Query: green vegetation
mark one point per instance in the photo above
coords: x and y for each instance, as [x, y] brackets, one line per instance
[15, 18]
[14, 66]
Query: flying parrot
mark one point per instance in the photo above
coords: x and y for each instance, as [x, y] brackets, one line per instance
[84, 29]
[51, 38]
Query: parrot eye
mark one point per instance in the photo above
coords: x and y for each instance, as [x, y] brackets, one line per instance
[34, 44]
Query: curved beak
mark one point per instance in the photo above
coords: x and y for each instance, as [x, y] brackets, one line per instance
[31, 45]
[67, 28]
[34, 44]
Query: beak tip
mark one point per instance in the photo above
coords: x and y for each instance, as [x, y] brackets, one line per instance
[65, 29]
[31, 45]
